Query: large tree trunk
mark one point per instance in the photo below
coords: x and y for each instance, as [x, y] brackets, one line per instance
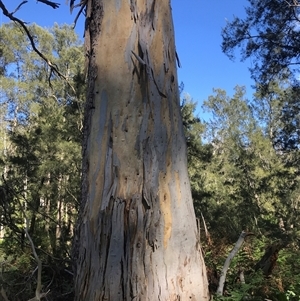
[136, 235]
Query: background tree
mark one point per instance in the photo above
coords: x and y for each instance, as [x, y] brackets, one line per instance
[247, 185]
[269, 34]
[254, 176]
[199, 154]
[40, 157]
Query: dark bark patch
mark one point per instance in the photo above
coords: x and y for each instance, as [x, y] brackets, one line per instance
[133, 9]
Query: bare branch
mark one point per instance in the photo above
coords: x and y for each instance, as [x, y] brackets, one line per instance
[53, 67]
[72, 6]
[177, 59]
[82, 5]
[43, 295]
[50, 3]
[19, 6]
[207, 235]
[38, 294]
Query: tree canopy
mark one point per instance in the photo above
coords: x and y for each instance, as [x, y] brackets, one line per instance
[40, 155]
[240, 181]
[269, 34]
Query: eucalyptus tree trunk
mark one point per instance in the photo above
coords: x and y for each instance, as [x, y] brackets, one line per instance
[136, 236]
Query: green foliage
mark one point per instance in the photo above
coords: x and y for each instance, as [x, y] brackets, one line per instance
[246, 183]
[277, 286]
[41, 156]
[269, 35]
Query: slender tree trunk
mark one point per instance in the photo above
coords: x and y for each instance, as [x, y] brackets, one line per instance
[233, 252]
[136, 235]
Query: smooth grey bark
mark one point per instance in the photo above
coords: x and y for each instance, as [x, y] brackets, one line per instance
[231, 255]
[136, 236]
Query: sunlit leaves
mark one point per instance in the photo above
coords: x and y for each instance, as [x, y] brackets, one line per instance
[269, 34]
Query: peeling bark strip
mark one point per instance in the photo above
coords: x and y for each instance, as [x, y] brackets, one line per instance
[136, 235]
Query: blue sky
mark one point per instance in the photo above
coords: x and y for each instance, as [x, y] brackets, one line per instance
[198, 25]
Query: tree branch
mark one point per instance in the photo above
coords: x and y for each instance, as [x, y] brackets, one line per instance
[19, 6]
[50, 3]
[39, 278]
[82, 5]
[206, 230]
[53, 67]
[228, 260]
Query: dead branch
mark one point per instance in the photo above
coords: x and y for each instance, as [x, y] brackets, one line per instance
[268, 261]
[234, 251]
[19, 6]
[50, 3]
[82, 5]
[53, 67]
[38, 294]
[207, 235]
[43, 295]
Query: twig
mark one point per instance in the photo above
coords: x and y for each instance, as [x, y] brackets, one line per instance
[43, 295]
[38, 294]
[71, 5]
[207, 235]
[50, 3]
[138, 58]
[69, 272]
[198, 229]
[82, 5]
[19, 6]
